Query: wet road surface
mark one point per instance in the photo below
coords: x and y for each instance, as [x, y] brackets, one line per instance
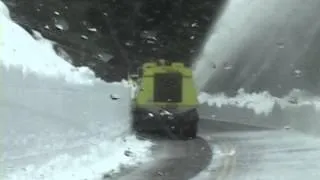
[231, 151]
[181, 160]
[264, 155]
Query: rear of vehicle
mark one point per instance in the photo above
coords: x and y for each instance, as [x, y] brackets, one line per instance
[166, 100]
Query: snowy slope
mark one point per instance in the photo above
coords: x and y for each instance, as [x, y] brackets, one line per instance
[58, 121]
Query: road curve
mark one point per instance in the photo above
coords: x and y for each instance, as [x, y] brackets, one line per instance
[173, 160]
[224, 151]
[264, 154]
[182, 160]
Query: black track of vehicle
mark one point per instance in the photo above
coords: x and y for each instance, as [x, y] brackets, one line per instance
[190, 124]
[184, 127]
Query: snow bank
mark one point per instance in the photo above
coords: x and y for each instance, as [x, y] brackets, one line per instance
[57, 121]
[47, 124]
[4, 10]
[261, 103]
[298, 110]
[98, 161]
[20, 49]
[128, 84]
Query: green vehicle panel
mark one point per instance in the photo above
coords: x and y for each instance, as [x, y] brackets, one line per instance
[166, 88]
[145, 96]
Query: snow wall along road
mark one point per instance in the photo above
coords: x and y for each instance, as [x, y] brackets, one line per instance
[261, 62]
[56, 121]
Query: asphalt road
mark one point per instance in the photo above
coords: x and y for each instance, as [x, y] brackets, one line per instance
[231, 151]
[182, 160]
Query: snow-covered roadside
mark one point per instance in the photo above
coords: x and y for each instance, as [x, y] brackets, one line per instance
[58, 121]
[298, 110]
[261, 103]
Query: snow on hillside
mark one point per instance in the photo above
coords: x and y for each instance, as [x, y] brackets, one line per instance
[58, 121]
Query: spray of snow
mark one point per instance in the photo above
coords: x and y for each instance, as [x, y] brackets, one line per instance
[260, 44]
[227, 33]
[230, 29]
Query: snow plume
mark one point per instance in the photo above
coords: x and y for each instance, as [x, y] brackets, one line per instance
[232, 28]
[262, 45]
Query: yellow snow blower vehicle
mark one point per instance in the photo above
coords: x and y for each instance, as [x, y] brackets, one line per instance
[166, 100]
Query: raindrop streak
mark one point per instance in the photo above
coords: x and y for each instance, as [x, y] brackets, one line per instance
[60, 23]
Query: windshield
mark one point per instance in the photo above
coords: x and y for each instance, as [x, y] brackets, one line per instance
[74, 104]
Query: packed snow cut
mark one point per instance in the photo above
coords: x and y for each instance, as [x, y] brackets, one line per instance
[58, 121]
